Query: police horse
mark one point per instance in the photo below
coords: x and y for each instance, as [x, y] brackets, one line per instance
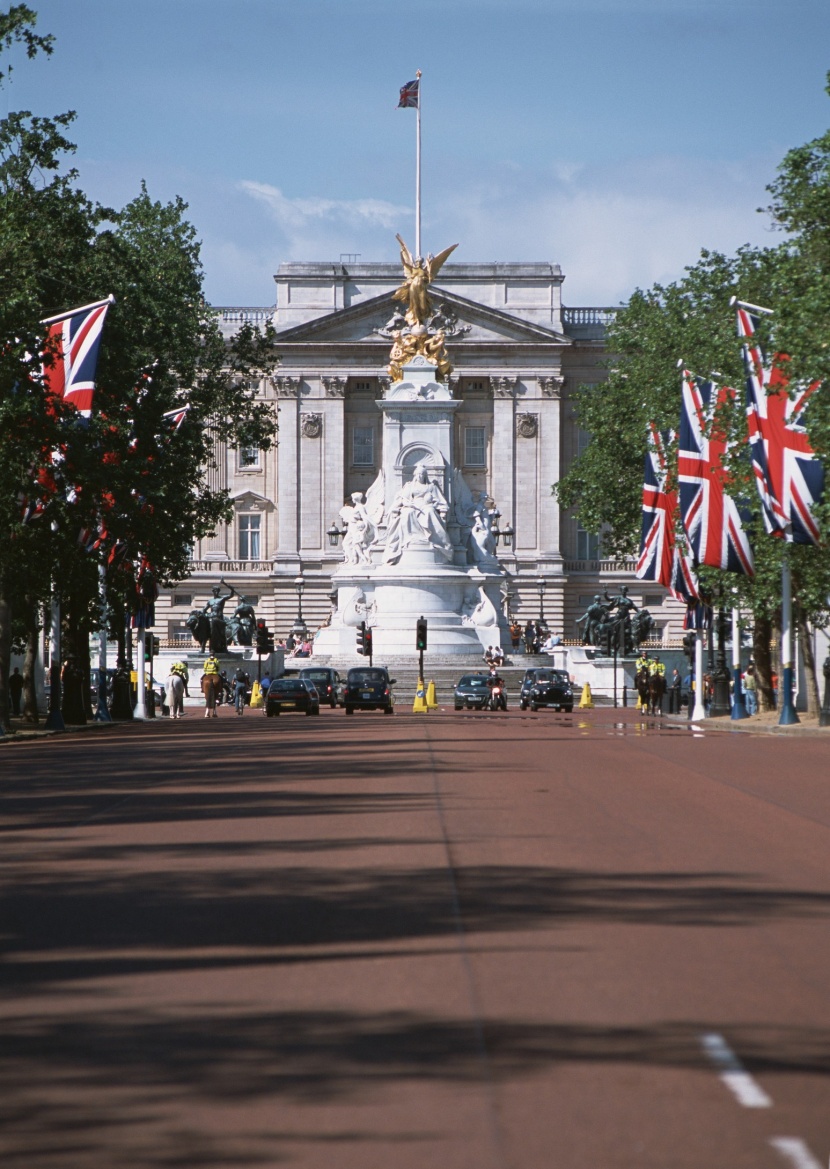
[650, 690]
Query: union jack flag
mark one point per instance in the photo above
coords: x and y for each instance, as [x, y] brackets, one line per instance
[176, 417]
[711, 517]
[788, 474]
[410, 94]
[660, 558]
[73, 339]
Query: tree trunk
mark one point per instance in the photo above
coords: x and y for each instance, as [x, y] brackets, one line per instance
[761, 636]
[30, 711]
[805, 643]
[5, 660]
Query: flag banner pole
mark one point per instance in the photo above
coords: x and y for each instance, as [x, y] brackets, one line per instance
[699, 711]
[54, 719]
[738, 705]
[418, 252]
[73, 312]
[788, 714]
[102, 715]
[140, 712]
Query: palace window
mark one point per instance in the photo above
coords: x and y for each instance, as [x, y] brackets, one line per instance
[364, 386]
[183, 599]
[363, 446]
[247, 458]
[249, 534]
[475, 446]
[587, 544]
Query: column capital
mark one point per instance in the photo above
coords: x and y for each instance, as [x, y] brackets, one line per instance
[551, 387]
[335, 387]
[287, 387]
[504, 386]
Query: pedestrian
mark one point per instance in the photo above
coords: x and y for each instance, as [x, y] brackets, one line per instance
[674, 692]
[209, 687]
[515, 635]
[530, 638]
[15, 690]
[750, 690]
[265, 683]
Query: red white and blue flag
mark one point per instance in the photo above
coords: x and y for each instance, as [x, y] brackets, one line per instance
[660, 557]
[788, 474]
[711, 518]
[410, 94]
[73, 340]
[176, 417]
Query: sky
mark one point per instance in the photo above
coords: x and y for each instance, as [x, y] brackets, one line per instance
[613, 137]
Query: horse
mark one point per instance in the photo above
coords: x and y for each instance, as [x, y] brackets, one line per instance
[174, 697]
[650, 690]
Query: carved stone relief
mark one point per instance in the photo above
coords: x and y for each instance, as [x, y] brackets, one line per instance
[311, 425]
[335, 387]
[551, 387]
[527, 425]
[287, 387]
[504, 387]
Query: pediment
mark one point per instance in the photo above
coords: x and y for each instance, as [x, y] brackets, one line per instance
[248, 500]
[372, 321]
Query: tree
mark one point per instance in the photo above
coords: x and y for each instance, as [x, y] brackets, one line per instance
[126, 470]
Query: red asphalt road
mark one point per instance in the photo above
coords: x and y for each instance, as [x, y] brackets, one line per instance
[463, 940]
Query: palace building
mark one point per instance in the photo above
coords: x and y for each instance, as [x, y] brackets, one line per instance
[518, 355]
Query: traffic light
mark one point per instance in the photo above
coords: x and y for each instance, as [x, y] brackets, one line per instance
[689, 645]
[152, 647]
[421, 633]
[364, 640]
[156, 646]
[264, 640]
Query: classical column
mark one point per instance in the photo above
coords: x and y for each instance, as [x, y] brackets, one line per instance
[549, 405]
[288, 471]
[334, 456]
[504, 443]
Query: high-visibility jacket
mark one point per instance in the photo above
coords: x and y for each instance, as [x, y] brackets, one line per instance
[211, 666]
[657, 668]
[643, 664]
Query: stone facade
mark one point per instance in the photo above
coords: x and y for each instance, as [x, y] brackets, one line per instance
[518, 356]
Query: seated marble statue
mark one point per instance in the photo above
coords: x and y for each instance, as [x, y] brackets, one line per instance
[417, 516]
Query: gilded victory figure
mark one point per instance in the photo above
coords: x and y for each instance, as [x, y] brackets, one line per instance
[419, 275]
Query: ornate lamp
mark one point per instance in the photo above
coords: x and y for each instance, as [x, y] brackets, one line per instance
[507, 535]
[299, 624]
[334, 534]
[541, 585]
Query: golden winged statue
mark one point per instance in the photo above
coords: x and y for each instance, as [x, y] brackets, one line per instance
[419, 275]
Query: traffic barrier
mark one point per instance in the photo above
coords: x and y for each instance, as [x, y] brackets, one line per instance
[419, 706]
[586, 702]
[432, 701]
[256, 697]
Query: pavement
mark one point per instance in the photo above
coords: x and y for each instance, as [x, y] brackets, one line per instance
[475, 940]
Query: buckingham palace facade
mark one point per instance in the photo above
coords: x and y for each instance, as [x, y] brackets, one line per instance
[518, 355]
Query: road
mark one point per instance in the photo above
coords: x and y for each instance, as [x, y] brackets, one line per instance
[475, 941]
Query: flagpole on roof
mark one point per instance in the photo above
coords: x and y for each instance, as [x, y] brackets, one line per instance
[418, 172]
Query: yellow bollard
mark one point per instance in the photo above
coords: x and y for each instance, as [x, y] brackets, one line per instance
[432, 701]
[256, 697]
[586, 702]
[419, 706]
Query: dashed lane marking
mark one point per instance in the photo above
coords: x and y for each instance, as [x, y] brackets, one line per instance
[795, 1152]
[740, 1083]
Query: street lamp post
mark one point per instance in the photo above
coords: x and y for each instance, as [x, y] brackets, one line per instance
[720, 697]
[541, 585]
[299, 624]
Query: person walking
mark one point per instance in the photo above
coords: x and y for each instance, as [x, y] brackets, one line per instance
[15, 691]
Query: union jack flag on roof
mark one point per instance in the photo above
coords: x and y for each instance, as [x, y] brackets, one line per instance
[660, 558]
[410, 94]
[788, 474]
[711, 518]
[74, 338]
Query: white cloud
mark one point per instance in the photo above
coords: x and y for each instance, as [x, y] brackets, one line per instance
[297, 214]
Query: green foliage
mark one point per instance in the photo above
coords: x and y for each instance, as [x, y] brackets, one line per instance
[17, 27]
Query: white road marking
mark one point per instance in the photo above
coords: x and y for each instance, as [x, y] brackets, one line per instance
[740, 1083]
[796, 1152]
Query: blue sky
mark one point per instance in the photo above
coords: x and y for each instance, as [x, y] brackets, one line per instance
[614, 137]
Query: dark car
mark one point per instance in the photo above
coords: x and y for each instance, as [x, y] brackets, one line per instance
[326, 682]
[527, 683]
[369, 688]
[550, 688]
[472, 692]
[291, 694]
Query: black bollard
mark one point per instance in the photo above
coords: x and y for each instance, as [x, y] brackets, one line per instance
[824, 713]
[122, 707]
[625, 694]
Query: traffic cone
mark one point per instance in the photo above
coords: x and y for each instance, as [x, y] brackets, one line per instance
[432, 701]
[256, 696]
[586, 702]
[419, 706]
